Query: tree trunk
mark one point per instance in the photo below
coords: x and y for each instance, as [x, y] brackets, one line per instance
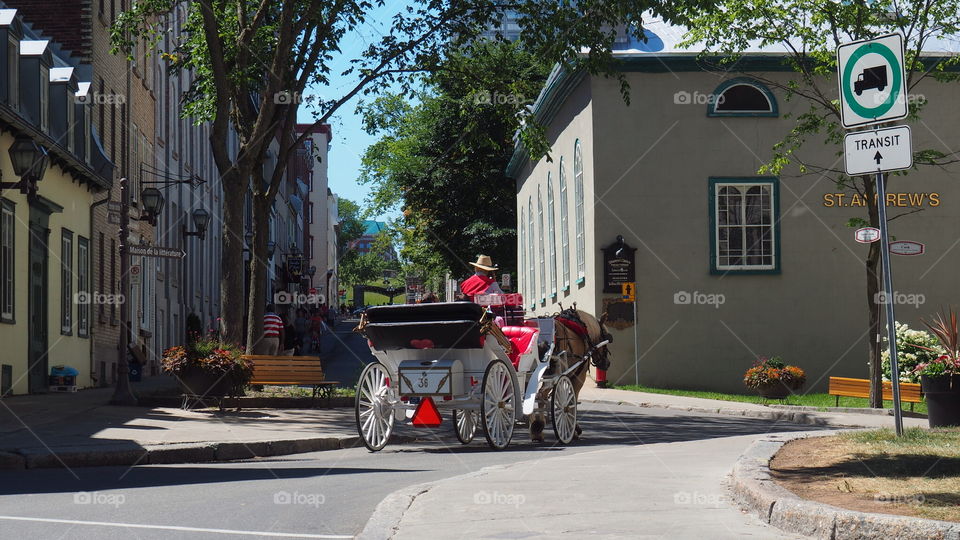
[873, 307]
[231, 260]
[259, 266]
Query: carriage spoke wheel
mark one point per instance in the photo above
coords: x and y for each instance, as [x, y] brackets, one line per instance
[466, 422]
[563, 410]
[498, 409]
[374, 410]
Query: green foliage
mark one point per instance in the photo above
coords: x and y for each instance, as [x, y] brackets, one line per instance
[913, 347]
[442, 160]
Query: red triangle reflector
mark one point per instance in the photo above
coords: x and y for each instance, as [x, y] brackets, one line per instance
[426, 414]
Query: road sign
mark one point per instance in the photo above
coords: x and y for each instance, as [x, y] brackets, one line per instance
[135, 274]
[867, 235]
[312, 291]
[906, 247]
[872, 81]
[628, 291]
[157, 251]
[505, 280]
[868, 152]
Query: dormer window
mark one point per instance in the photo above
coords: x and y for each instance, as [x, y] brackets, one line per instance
[71, 121]
[13, 72]
[44, 99]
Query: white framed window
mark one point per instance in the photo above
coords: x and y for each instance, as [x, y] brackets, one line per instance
[552, 242]
[564, 227]
[532, 256]
[7, 253]
[523, 250]
[66, 282]
[745, 235]
[540, 245]
[83, 286]
[44, 99]
[13, 73]
[578, 202]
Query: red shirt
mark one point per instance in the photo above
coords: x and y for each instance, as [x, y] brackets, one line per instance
[272, 324]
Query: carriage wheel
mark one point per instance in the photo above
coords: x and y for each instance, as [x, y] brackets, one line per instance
[374, 410]
[466, 422]
[499, 404]
[563, 409]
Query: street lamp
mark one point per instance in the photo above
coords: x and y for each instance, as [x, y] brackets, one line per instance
[271, 249]
[29, 161]
[621, 246]
[200, 220]
[248, 238]
[153, 202]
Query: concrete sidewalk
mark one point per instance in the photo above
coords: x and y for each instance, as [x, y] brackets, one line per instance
[868, 419]
[666, 490]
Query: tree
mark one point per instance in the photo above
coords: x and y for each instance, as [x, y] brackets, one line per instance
[443, 160]
[810, 32]
[251, 61]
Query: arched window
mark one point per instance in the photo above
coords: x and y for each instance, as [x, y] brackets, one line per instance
[552, 227]
[578, 201]
[564, 227]
[742, 97]
[522, 249]
[540, 245]
[532, 256]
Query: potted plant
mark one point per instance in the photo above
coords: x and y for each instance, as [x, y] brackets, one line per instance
[914, 347]
[208, 367]
[773, 379]
[940, 377]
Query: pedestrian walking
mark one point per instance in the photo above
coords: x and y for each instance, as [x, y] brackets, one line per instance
[300, 326]
[289, 343]
[272, 332]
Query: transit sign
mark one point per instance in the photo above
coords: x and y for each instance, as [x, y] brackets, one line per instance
[906, 247]
[879, 150]
[157, 251]
[628, 291]
[872, 81]
[867, 235]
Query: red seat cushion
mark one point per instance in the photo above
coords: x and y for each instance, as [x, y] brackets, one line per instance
[521, 337]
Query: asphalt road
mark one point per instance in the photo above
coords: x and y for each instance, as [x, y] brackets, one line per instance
[318, 495]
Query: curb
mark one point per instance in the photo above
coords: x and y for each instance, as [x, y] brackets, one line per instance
[132, 454]
[775, 505]
[797, 417]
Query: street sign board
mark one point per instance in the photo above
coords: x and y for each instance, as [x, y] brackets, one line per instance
[872, 81]
[157, 251]
[906, 247]
[880, 150]
[628, 291]
[867, 235]
[312, 291]
[135, 274]
[505, 280]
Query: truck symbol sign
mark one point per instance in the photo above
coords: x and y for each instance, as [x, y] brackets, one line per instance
[874, 77]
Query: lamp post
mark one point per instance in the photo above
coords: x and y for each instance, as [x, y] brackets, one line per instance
[201, 218]
[30, 162]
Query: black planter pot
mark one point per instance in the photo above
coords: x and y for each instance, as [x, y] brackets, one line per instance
[198, 382]
[775, 390]
[943, 400]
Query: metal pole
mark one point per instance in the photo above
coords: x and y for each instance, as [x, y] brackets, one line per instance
[123, 394]
[888, 297]
[636, 347]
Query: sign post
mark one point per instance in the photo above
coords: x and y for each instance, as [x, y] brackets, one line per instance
[872, 91]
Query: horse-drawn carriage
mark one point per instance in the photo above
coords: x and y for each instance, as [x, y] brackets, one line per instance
[452, 358]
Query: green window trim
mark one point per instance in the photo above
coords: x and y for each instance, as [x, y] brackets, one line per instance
[66, 282]
[774, 111]
[8, 281]
[775, 219]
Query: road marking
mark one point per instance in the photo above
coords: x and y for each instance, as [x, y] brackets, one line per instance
[174, 528]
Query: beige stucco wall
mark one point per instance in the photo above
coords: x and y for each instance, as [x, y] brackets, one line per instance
[72, 350]
[651, 162]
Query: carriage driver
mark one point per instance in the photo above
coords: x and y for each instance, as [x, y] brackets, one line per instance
[483, 280]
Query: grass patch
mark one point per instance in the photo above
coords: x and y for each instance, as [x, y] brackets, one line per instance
[295, 392]
[821, 401]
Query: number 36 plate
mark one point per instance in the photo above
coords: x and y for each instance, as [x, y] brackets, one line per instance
[425, 382]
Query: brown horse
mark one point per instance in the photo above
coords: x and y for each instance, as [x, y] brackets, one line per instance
[569, 337]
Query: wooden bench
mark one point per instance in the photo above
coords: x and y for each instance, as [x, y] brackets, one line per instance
[291, 371]
[846, 387]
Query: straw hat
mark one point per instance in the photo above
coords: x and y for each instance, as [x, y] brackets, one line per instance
[484, 262]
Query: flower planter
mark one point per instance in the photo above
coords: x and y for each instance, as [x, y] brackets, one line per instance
[775, 390]
[942, 395]
[199, 382]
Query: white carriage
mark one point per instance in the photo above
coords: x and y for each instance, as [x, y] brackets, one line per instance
[453, 356]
